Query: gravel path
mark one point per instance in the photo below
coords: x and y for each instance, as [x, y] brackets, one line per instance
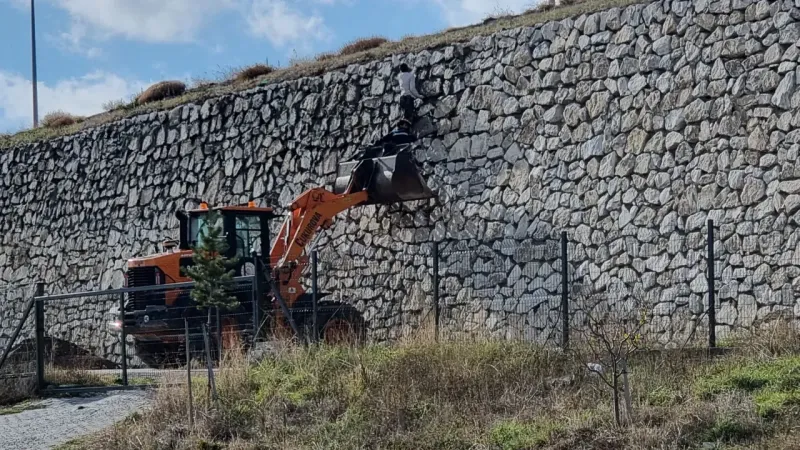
[60, 420]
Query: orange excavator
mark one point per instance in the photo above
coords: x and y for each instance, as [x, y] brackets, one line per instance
[385, 174]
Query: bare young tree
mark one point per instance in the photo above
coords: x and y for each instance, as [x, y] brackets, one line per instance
[609, 329]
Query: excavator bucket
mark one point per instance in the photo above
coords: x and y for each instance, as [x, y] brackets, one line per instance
[387, 179]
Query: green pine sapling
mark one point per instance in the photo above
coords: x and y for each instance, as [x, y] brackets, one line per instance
[211, 270]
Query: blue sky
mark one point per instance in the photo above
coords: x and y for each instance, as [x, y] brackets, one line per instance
[93, 51]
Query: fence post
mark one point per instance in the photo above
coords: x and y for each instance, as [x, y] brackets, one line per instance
[187, 345]
[256, 295]
[219, 337]
[564, 293]
[436, 311]
[123, 339]
[712, 312]
[314, 290]
[40, 382]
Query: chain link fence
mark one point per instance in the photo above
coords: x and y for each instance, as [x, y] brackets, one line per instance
[697, 288]
[17, 348]
[136, 336]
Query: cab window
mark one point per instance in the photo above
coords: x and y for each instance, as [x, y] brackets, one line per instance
[197, 224]
[248, 234]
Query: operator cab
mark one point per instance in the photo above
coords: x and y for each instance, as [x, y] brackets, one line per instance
[246, 229]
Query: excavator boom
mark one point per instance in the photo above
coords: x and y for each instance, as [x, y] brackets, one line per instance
[381, 180]
[312, 211]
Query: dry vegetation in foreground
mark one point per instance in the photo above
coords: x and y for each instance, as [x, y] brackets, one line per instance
[328, 62]
[481, 395]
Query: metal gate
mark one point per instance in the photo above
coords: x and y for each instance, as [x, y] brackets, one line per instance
[132, 337]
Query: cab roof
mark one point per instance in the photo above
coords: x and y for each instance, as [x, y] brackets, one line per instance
[250, 207]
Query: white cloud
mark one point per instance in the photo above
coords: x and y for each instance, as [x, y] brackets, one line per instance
[82, 96]
[74, 41]
[145, 20]
[466, 12]
[283, 25]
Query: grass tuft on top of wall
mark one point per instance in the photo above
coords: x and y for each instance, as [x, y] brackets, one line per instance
[253, 72]
[59, 119]
[362, 45]
[161, 91]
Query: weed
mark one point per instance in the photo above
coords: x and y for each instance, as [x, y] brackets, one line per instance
[773, 404]
[513, 435]
[77, 377]
[778, 375]
[72, 444]
[20, 407]
[113, 105]
[778, 337]
[425, 395]
[325, 57]
[730, 430]
[663, 396]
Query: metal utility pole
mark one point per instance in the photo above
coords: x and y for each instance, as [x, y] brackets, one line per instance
[33, 64]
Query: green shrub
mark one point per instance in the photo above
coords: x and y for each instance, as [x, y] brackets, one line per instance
[730, 431]
[663, 396]
[774, 376]
[773, 404]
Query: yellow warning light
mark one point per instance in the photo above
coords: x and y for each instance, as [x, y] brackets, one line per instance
[203, 205]
[251, 204]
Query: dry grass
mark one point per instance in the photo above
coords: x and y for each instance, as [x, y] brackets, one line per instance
[325, 57]
[549, 5]
[363, 45]
[322, 65]
[59, 119]
[17, 379]
[112, 105]
[774, 338]
[61, 377]
[20, 407]
[253, 72]
[161, 91]
[423, 395]
[13, 390]
[301, 61]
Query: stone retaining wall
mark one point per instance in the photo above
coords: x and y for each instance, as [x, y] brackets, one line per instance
[625, 127]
